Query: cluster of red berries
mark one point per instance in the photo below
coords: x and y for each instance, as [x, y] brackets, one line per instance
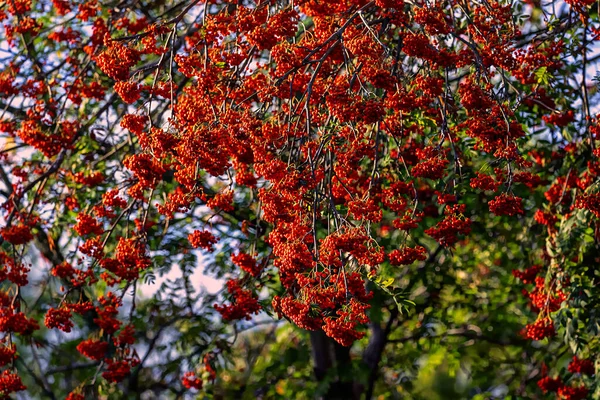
[10, 383]
[8, 353]
[484, 182]
[223, 201]
[590, 202]
[17, 234]
[408, 255]
[528, 275]
[540, 329]
[117, 370]
[247, 263]
[59, 318]
[16, 322]
[191, 381]
[506, 204]
[581, 366]
[87, 225]
[93, 349]
[117, 59]
[446, 232]
[202, 239]
[128, 91]
[243, 303]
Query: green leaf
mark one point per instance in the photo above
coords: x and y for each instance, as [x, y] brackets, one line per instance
[543, 76]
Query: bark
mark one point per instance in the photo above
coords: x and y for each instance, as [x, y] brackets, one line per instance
[332, 361]
[322, 360]
[373, 352]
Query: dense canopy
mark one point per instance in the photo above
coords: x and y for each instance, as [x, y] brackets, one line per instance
[399, 199]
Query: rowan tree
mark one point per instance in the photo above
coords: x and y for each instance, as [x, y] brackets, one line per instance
[400, 198]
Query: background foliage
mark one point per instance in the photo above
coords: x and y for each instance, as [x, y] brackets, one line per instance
[400, 198]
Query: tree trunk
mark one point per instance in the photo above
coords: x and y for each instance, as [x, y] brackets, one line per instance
[332, 362]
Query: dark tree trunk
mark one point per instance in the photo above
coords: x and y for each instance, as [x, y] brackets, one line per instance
[332, 361]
